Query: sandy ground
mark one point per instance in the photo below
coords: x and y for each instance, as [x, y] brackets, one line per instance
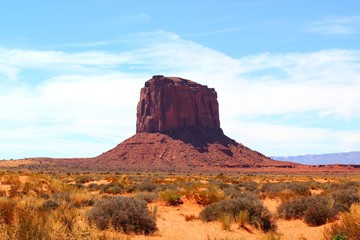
[172, 225]
[99, 182]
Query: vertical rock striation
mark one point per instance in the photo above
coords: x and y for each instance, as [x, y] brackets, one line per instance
[169, 104]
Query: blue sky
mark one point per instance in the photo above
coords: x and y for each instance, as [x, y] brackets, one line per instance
[287, 73]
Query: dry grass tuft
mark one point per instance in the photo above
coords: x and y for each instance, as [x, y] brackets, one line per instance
[348, 228]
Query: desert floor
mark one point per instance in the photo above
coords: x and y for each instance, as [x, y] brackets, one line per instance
[171, 221]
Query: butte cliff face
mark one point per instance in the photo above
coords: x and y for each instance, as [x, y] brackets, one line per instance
[169, 104]
[178, 129]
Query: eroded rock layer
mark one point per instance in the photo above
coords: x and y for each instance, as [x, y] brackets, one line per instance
[168, 104]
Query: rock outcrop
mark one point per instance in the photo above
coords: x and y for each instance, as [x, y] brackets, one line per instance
[168, 104]
[178, 129]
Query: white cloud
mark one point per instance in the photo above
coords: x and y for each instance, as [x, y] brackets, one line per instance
[88, 103]
[336, 25]
[280, 140]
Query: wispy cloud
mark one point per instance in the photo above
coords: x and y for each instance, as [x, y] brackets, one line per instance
[91, 96]
[336, 25]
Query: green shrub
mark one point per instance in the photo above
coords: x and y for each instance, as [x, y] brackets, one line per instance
[125, 214]
[259, 216]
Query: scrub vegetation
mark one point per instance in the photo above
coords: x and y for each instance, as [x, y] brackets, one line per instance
[126, 205]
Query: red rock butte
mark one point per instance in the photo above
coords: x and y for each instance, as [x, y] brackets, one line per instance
[170, 103]
[178, 129]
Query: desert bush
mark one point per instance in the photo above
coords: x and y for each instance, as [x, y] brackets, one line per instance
[292, 209]
[350, 185]
[93, 186]
[112, 188]
[145, 186]
[172, 197]
[348, 228]
[300, 188]
[248, 186]
[285, 191]
[148, 197]
[84, 179]
[50, 205]
[245, 194]
[44, 195]
[318, 213]
[209, 196]
[344, 198]
[259, 216]
[315, 210]
[125, 214]
[61, 197]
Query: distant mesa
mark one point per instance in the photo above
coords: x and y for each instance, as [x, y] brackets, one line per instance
[178, 128]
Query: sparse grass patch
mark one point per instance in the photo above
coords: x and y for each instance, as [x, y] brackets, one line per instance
[172, 198]
[226, 221]
[7, 210]
[242, 218]
[209, 196]
[81, 198]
